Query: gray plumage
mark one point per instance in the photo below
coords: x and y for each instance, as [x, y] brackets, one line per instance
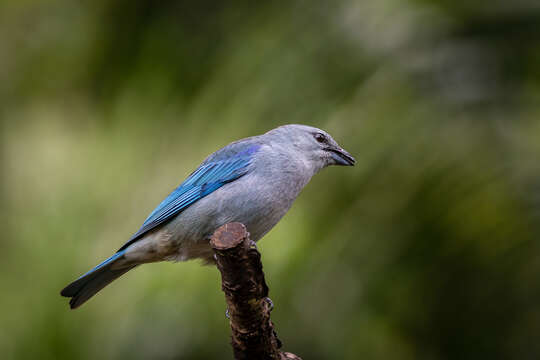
[253, 181]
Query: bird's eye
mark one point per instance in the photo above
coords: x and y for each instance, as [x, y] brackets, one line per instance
[320, 138]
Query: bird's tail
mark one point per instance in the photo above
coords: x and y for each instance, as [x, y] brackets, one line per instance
[96, 279]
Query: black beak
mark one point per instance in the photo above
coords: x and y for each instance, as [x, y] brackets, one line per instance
[341, 156]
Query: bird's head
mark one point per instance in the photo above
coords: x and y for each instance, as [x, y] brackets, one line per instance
[315, 145]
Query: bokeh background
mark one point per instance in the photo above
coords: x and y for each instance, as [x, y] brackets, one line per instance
[427, 249]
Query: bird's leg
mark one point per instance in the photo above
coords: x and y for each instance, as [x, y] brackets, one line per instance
[227, 315]
[253, 244]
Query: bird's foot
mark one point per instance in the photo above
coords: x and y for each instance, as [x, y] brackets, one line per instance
[253, 244]
[227, 315]
[270, 303]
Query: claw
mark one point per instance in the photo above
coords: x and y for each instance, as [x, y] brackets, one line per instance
[253, 244]
[270, 303]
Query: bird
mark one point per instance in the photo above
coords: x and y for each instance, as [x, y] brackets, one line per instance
[253, 181]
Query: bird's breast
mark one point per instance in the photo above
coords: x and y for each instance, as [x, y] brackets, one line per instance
[258, 200]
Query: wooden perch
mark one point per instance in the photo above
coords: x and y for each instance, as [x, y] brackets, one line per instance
[246, 293]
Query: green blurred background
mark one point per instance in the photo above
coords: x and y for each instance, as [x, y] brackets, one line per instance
[427, 249]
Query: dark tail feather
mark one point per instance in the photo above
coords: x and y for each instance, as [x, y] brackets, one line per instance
[93, 281]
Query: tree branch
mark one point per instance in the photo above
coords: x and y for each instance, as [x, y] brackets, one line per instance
[246, 293]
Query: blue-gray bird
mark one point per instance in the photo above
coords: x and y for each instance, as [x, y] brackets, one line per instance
[253, 181]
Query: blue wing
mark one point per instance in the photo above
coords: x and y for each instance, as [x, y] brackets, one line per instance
[222, 167]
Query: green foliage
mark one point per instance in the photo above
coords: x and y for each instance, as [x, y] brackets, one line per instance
[427, 249]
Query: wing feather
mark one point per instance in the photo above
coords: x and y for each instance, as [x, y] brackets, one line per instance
[220, 168]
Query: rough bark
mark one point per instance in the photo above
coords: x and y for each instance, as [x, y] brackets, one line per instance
[246, 293]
